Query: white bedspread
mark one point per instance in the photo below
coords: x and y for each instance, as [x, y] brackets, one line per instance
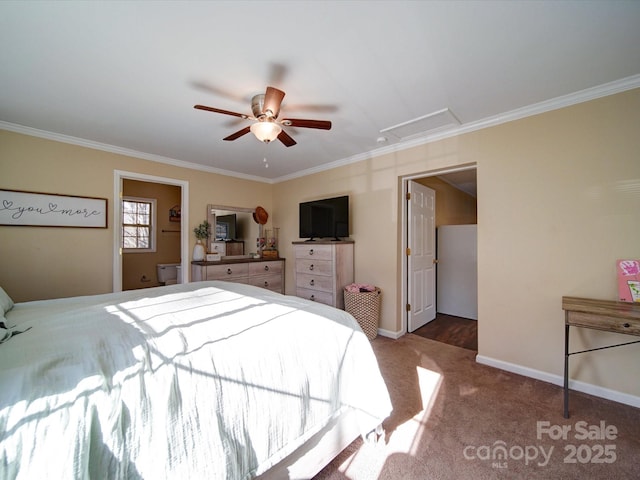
[204, 380]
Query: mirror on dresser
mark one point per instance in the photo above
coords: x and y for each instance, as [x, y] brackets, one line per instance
[233, 231]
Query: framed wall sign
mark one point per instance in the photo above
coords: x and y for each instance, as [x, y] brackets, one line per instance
[19, 208]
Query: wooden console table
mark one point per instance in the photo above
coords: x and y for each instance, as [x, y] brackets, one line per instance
[609, 316]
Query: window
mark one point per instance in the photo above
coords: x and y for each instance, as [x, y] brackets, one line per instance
[138, 224]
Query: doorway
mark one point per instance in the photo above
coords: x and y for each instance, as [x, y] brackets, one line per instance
[458, 331]
[456, 197]
[181, 227]
[151, 251]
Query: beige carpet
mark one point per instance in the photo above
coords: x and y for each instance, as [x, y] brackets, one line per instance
[451, 415]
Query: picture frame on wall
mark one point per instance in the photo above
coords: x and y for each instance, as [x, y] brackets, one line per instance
[35, 209]
[175, 213]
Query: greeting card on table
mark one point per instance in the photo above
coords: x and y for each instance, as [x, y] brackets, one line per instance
[629, 280]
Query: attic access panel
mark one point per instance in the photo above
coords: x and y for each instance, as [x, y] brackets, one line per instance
[432, 122]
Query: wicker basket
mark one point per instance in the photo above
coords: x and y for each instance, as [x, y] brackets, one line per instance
[365, 307]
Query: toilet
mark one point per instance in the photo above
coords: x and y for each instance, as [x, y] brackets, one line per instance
[168, 273]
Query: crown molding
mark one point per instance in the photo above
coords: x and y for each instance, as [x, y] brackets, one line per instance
[611, 88]
[58, 137]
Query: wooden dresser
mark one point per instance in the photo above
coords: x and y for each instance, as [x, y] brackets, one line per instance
[322, 270]
[261, 272]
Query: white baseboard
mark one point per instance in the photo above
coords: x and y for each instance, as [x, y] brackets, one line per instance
[389, 334]
[579, 386]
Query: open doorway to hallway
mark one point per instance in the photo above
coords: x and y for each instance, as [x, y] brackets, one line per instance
[454, 319]
[151, 231]
[166, 219]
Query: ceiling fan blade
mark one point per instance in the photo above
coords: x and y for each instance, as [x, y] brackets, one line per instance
[299, 122]
[286, 139]
[218, 110]
[272, 100]
[211, 88]
[238, 134]
[277, 73]
[307, 107]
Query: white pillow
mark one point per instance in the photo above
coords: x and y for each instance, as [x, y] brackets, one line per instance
[6, 303]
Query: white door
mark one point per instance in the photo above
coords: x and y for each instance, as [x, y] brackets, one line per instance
[421, 235]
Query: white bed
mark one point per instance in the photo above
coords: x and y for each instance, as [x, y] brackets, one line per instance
[201, 380]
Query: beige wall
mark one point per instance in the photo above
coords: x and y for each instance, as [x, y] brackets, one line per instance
[39, 263]
[558, 203]
[453, 206]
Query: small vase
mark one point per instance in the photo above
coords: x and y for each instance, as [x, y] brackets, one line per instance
[198, 251]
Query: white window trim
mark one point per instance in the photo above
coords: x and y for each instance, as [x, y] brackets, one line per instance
[153, 233]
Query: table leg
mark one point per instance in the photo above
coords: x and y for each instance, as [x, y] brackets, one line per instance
[566, 371]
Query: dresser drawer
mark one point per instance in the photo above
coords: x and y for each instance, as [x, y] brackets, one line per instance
[314, 282]
[262, 268]
[604, 315]
[604, 322]
[270, 282]
[320, 252]
[322, 269]
[228, 271]
[316, 266]
[315, 295]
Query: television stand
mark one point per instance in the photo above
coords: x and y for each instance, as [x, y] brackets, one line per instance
[334, 239]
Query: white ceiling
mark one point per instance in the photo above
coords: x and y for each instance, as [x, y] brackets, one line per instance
[124, 76]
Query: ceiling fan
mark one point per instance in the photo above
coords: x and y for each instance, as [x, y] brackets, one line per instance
[267, 127]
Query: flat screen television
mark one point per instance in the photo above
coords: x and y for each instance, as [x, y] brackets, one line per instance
[325, 218]
[226, 227]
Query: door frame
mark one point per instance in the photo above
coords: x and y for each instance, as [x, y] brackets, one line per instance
[118, 177]
[404, 180]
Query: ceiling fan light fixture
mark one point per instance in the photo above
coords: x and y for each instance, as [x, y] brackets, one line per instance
[266, 131]
[267, 127]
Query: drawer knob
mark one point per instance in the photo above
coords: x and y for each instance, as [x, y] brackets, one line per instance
[266, 283]
[311, 252]
[312, 298]
[266, 268]
[311, 267]
[229, 272]
[312, 282]
[626, 325]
